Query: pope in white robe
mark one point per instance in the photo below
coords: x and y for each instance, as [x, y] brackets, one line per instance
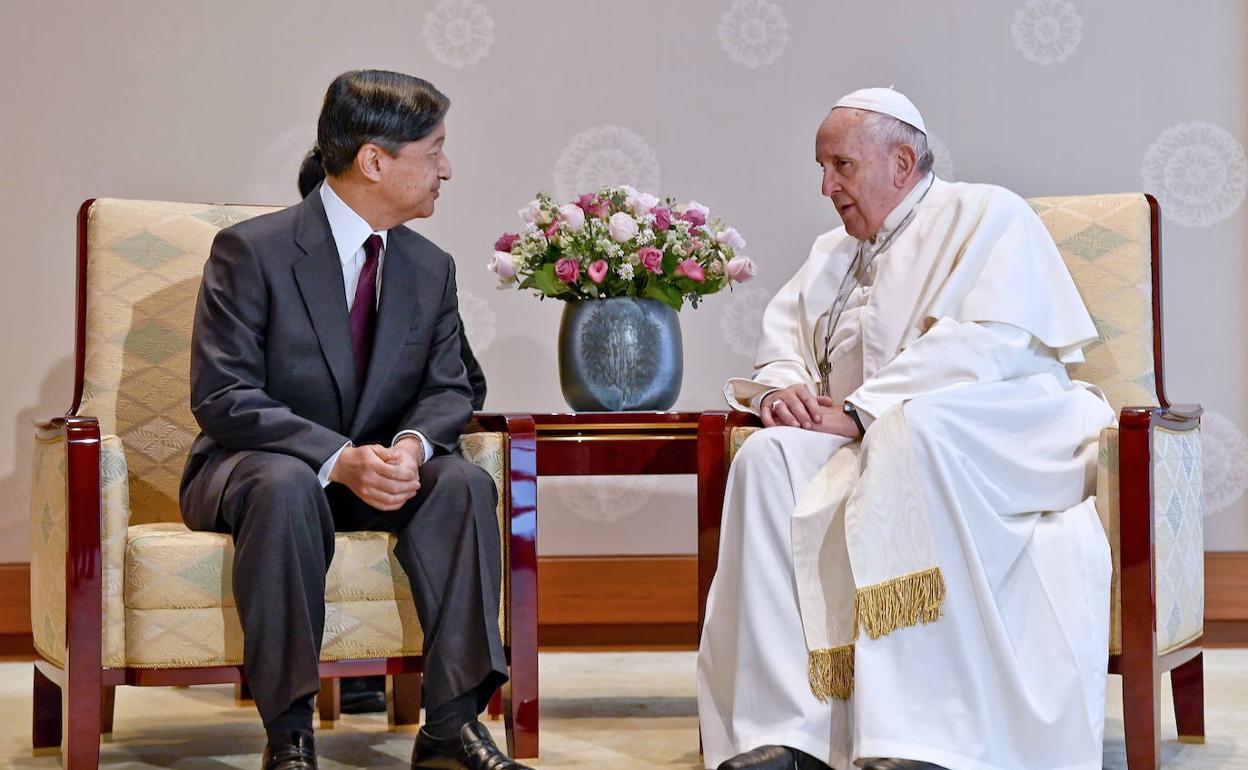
[911, 566]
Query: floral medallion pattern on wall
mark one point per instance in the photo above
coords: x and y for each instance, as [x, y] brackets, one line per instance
[605, 498]
[1198, 173]
[754, 33]
[480, 320]
[605, 156]
[741, 321]
[1047, 31]
[1224, 448]
[942, 160]
[459, 33]
[277, 171]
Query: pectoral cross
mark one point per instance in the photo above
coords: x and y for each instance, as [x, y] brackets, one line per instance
[825, 369]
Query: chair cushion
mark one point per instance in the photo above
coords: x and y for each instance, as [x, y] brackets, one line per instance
[180, 605]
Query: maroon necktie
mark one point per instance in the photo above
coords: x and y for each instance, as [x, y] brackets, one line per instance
[364, 309]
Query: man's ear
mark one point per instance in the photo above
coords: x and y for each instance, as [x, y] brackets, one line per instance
[904, 162]
[368, 161]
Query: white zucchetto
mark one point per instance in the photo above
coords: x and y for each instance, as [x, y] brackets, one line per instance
[885, 101]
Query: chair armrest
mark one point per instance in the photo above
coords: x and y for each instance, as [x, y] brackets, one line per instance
[1156, 447]
[69, 523]
[518, 498]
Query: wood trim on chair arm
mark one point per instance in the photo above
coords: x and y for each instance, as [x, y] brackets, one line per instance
[713, 435]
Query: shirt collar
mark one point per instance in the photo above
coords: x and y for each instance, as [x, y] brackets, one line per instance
[348, 228]
[907, 203]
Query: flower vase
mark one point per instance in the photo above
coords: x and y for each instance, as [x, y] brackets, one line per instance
[620, 354]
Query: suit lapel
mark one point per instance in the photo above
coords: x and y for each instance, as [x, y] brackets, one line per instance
[319, 276]
[396, 310]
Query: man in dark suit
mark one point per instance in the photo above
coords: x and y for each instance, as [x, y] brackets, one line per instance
[326, 377]
[367, 694]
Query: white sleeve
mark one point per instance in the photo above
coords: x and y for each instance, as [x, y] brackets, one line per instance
[779, 362]
[949, 355]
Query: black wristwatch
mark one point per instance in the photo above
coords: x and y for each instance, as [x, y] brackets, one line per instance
[853, 415]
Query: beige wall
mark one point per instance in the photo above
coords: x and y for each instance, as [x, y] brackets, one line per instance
[714, 100]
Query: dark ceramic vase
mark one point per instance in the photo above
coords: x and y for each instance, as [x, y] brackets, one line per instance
[620, 354]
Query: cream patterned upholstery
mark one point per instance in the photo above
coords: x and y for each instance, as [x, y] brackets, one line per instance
[167, 599]
[1105, 241]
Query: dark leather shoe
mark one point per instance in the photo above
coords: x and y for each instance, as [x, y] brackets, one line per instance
[292, 750]
[363, 695]
[471, 749]
[762, 758]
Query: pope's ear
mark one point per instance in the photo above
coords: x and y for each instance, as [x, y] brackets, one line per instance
[904, 163]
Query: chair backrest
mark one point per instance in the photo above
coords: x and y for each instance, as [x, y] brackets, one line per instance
[1110, 244]
[140, 264]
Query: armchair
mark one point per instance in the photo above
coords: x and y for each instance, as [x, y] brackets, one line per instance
[123, 593]
[1148, 471]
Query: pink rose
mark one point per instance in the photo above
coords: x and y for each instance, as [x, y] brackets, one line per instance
[694, 217]
[651, 259]
[590, 204]
[691, 270]
[741, 269]
[502, 266]
[551, 229]
[531, 212]
[568, 270]
[662, 218]
[506, 241]
[598, 270]
[694, 245]
[641, 203]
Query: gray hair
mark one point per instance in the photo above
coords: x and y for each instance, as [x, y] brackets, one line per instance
[891, 132]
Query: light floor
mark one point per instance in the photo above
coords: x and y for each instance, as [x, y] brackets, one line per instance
[599, 710]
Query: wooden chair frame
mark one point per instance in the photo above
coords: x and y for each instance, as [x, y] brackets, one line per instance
[73, 706]
[1139, 664]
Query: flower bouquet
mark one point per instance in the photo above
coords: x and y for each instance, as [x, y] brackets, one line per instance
[625, 262]
[619, 242]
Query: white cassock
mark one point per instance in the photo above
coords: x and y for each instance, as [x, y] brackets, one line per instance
[957, 337]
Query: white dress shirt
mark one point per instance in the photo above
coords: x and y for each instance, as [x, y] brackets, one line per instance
[350, 231]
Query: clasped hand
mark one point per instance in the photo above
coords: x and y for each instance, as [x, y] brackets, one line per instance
[383, 477]
[795, 407]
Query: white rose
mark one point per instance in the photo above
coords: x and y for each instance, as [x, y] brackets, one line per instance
[641, 203]
[741, 269]
[623, 228]
[573, 216]
[503, 266]
[531, 212]
[731, 238]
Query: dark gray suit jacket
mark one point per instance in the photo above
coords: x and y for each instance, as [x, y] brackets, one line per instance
[272, 363]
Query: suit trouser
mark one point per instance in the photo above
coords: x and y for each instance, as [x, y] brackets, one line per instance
[283, 525]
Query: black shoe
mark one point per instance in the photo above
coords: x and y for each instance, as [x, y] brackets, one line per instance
[292, 750]
[363, 695]
[471, 749]
[762, 758]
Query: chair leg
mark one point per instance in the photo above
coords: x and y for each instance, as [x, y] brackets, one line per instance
[108, 699]
[81, 698]
[1188, 683]
[520, 702]
[496, 706]
[403, 701]
[46, 715]
[1141, 713]
[329, 702]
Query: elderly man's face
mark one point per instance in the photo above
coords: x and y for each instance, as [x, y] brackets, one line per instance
[860, 174]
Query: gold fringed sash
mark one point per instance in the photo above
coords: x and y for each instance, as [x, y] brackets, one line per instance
[908, 600]
[879, 610]
[832, 672]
